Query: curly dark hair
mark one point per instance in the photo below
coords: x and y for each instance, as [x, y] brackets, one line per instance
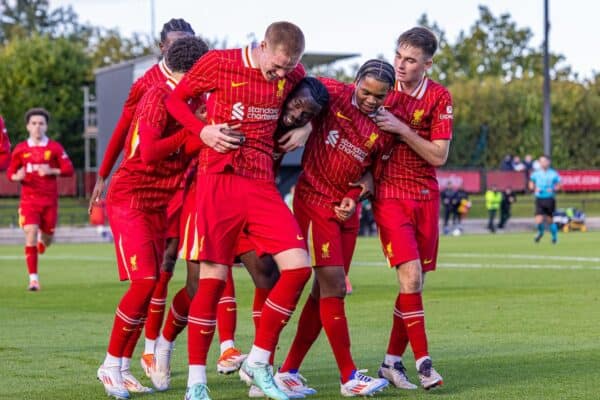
[184, 53]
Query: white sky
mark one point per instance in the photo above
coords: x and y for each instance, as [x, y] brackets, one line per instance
[366, 27]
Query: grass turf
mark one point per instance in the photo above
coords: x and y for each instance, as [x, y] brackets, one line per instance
[506, 319]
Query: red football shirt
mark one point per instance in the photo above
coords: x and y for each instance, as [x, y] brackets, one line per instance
[238, 94]
[158, 73]
[4, 146]
[154, 162]
[343, 144]
[35, 188]
[402, 173]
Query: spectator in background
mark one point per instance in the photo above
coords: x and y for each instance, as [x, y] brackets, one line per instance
[493, 198]
[507, 163]
[517, 164]
[449, 204]
[367, 221]
[508, 198]
[528, 161]
[4, 146]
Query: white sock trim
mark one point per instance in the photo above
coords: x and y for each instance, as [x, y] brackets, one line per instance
[391, 359]
[149, 346]
[227, 344]
[258, 356]
[125, 363]
[196, 374]
[420, 361]
[112, 361]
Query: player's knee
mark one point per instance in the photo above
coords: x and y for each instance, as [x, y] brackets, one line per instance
[191, 288]
[143, 288]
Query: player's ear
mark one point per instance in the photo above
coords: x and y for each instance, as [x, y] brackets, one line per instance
[428, 64]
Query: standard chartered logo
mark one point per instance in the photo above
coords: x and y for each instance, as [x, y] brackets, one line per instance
[332, 138]
[237, 112]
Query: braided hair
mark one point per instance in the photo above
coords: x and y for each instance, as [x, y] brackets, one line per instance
[175, 25]
[377, 69]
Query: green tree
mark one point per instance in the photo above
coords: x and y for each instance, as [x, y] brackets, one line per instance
[44, 72]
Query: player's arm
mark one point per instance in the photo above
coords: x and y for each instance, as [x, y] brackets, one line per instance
[16, 170]
[65, 167]
[531, 184]
[4, 149]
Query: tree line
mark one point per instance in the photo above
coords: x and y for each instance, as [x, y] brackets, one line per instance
[492, 69]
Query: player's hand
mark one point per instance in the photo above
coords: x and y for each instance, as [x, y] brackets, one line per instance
[44, 170]
[366, 185]
[222, 137]
[386, 121]
[96, 196]
[295, 138]
[19, 175]
[346, 209]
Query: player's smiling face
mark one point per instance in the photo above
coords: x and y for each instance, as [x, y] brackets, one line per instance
[275, 63]
[37, 127]
[410, 64]
[299, 109]
[370, 94]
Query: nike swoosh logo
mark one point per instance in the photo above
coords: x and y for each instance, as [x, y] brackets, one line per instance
[413, 323]
[299, 237]
[238, 84]
[342, 116]
[206, 332]
[427, 261]
[231, 309]
[128, 329]
[155, 311]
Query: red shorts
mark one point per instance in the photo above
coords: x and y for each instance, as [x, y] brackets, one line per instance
[174, 214]
[330, 241]
[188, 236]
[229, 205]
[139, 241]
[42, 215]
[408, 230]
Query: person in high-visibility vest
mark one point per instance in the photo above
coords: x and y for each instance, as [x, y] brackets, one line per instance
[493, 198]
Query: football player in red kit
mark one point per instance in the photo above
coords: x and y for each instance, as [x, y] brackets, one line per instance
[36, 163]
[4, 146]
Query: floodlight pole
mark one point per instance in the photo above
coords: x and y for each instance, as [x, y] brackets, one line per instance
[152, 19]
[547, 140]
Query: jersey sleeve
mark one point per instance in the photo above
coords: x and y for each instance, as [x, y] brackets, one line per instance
[119, 135]
[202, 78]
[442, 117]
[153, 121]
[64, 163]
[15, 162]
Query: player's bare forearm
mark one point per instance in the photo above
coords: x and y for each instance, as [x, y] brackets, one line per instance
[434, 152]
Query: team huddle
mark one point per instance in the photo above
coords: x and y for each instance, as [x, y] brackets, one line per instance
[202, 135]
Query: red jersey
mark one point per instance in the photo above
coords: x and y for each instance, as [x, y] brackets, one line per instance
[343, 144]
[402, 173]
[35, 188]
[158, 73]
[4, 146]
[238, 94]
[153, 163]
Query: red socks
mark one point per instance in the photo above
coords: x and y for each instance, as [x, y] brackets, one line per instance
[31, 258]
[411, 307]
[156, 310]
[202, 319]
[130, 312]
[398, 336]
[260, 296]
[226, 311]
[177, 317]
[309, 327]
[133, 339]
[333, 317]
[279, 306]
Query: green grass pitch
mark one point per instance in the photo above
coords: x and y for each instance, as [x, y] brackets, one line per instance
[507, 319]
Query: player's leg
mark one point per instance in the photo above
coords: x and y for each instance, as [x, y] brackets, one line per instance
[31, 255]
[175, 323]
[137, 258]
[273, 228]
[156, 310]
[551, 207]
[264, 274]
[539, 219]
[231, 358]
[48, 219]
[202, 322]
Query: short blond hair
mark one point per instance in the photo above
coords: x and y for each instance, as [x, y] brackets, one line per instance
[287, 36]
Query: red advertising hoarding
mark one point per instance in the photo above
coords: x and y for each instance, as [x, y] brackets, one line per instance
[470, 181]
[580, 180]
